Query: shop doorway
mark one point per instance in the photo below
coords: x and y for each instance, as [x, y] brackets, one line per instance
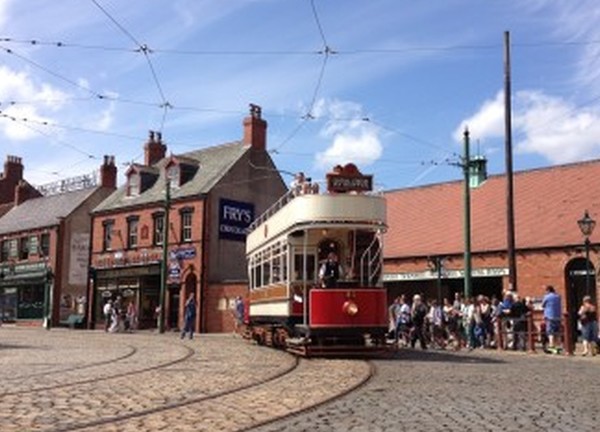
[576, 279]
[8, 304]
[174, 301]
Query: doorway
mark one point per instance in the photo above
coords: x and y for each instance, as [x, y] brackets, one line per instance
[576, 283]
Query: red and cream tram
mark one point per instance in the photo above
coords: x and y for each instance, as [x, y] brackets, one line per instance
[303, 302]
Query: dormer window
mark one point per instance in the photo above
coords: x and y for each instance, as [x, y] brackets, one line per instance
[173, 174]
[133, 184]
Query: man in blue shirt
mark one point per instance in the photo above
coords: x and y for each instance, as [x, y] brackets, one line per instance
[552, 312]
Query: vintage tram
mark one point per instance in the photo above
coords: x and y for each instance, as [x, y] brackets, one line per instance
[293, 303]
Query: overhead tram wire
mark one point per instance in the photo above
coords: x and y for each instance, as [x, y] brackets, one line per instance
[400, 50]
[54, 138]
[145, 50]
[326, 51]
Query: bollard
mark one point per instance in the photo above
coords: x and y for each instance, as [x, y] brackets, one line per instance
[567, 342]
[499, 335]
[530, 334]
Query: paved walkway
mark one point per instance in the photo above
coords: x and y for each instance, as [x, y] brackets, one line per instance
[63, 380]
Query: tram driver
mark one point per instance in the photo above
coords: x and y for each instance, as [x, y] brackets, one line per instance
[330, 271]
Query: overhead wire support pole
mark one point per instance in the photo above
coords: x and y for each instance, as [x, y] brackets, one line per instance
[510, 212]
[165, 255]
[466, 166]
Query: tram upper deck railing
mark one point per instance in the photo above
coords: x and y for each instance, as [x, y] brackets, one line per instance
[312, 209]
[308, 189]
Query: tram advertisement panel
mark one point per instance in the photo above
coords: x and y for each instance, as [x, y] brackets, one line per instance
[234, 219]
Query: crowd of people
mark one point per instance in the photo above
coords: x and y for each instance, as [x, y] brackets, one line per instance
[119, 317]
[474, 322]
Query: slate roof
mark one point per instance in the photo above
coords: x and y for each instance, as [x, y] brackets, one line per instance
[43, 211]
[214, 162]
[548, 202]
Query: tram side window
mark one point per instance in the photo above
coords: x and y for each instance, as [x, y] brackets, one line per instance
[299, 267]
[257, 275]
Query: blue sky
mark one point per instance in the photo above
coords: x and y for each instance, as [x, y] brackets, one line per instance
[387, 84]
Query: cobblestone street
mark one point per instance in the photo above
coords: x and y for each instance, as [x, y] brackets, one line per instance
[87, 380]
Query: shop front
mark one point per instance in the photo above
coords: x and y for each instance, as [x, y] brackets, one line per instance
[138, 285]
[22, 291]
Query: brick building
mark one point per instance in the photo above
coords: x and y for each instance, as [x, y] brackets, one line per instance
[44, 245]
[214, 194]
[426, 226]
[9, 179]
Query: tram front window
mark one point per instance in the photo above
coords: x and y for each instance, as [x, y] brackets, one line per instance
[299, 267]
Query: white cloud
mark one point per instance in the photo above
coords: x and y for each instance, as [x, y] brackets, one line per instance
[4, 11]
[488, 121]
[30, 100]
[351, 138]
[544, 125]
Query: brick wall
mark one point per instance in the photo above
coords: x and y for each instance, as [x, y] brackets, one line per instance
[219, 301]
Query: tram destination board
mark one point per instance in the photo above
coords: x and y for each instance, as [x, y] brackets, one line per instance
[342, 183]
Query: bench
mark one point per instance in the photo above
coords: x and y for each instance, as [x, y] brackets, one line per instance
[74, 321]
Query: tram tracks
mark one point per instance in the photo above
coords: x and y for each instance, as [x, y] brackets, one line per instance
[212, 384]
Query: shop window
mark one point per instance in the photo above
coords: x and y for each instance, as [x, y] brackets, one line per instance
[30, 303]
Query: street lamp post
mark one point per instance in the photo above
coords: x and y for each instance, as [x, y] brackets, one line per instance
[587, 225]
[165, 254]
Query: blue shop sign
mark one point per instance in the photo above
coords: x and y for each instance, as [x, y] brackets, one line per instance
[234, 219]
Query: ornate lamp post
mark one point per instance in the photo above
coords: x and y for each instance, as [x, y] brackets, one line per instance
[587, 225]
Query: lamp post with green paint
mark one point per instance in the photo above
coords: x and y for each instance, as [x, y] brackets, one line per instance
[165, 255]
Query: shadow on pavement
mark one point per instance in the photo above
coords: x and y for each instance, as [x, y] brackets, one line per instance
[440, 356]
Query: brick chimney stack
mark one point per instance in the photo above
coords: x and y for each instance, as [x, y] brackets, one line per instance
[255, 129]
[24, 191]
[13, 173]
[154, 149]
[108, 173]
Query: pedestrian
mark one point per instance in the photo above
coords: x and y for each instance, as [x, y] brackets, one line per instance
[107, 312]
[132, 315]
[589, 325]
[393, 312]
[418, 314]
[238, 314]
[189, 316]
[551, 303]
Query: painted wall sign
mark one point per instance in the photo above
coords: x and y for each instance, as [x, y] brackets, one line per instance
[447, 274]
[234, 219]
[79, 253]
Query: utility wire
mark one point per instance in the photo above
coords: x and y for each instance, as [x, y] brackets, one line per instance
[145, 50]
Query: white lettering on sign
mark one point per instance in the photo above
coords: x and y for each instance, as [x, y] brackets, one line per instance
[237, 214]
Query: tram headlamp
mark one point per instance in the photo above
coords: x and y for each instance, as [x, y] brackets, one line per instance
[350, 308]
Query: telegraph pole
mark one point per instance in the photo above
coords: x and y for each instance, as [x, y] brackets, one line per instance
[510, 213]
[466, 166]
[165, 256]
